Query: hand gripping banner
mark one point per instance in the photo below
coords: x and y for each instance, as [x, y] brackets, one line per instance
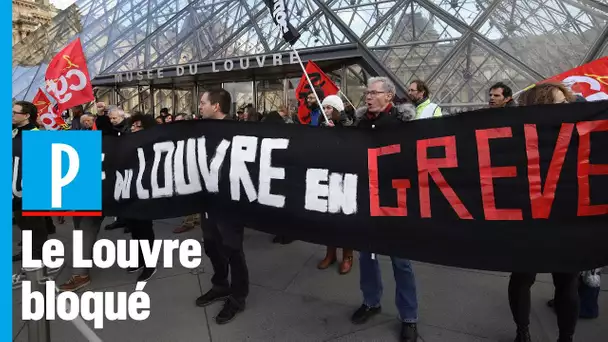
[512, 189]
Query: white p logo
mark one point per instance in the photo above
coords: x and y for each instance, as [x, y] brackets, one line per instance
[58, 180]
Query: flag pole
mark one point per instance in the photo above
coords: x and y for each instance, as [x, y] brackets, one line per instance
[346, 97]
[309, 82]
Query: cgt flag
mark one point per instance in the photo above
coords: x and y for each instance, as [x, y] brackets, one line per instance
[279, 16]
[589, 80]
[319, 80]
[67, 78]
[48, 113]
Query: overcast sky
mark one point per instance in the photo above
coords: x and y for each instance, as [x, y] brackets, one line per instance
[62, 4]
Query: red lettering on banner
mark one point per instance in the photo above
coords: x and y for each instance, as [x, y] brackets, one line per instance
[430, 167]
[401, 185]
[586, 169]
[542, 201]
[488, 173]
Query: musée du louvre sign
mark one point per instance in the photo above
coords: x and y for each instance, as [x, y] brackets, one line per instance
[229, 64]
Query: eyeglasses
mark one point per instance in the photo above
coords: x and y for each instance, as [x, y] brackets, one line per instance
[374, 93]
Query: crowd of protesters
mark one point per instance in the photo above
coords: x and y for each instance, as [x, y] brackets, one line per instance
[575, 293]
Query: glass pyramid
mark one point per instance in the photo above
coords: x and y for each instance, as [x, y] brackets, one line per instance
[459, 47]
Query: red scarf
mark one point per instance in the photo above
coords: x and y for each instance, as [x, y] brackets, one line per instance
[372, 116]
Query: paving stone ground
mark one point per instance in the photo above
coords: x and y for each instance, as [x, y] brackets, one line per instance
[290, 300]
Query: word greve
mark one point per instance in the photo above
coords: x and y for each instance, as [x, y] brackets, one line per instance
[185, 167]
[91, 306]
[106, 253]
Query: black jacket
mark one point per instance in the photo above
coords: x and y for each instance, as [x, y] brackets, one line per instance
[104, 125]
[17, 131]
[396, 114]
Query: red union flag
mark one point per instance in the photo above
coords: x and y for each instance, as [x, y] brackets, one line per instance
[47, 114]
[589, 80]
[319, 80]
[67, 78]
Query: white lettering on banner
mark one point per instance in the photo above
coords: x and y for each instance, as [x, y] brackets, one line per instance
[193, 185]
[142, 193]
[594, 84]
[244, 150]
[103, 174]
[268, 172]
[16, 167]
[167, 190]
[211, 172]
[279, 15]
[122, 189]
[339, 195]
[59, 89]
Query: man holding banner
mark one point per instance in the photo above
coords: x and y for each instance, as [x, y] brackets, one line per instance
[380, 112]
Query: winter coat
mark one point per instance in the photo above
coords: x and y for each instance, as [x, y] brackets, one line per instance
[394, 114]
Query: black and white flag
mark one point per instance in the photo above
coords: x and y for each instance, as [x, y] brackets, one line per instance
[278, 9]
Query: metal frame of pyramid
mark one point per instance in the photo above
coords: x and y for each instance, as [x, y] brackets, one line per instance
[459, 47]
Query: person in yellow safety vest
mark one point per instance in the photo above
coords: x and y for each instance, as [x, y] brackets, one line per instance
[419, 92]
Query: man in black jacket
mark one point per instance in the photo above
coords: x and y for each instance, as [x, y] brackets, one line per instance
[380, 112]
[223, 236]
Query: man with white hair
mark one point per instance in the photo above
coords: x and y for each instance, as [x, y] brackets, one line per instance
[117, 118]
[87, 121]
[380, 112]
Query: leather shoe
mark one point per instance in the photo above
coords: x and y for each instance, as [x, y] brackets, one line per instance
[523, 335]
[229, 311]
[409, 332]
[364, 313]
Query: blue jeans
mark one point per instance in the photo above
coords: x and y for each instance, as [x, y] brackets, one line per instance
[405, 293]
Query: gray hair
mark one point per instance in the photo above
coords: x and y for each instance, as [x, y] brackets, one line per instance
[387, 84]
[115, 109]
[87, 115]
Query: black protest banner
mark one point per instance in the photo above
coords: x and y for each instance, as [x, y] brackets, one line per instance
[514, 189]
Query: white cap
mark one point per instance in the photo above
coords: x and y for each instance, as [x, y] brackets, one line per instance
[334, 101]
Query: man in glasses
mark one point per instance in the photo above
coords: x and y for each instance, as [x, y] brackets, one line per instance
[381, 112]
[24, 119]
[419, 92]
